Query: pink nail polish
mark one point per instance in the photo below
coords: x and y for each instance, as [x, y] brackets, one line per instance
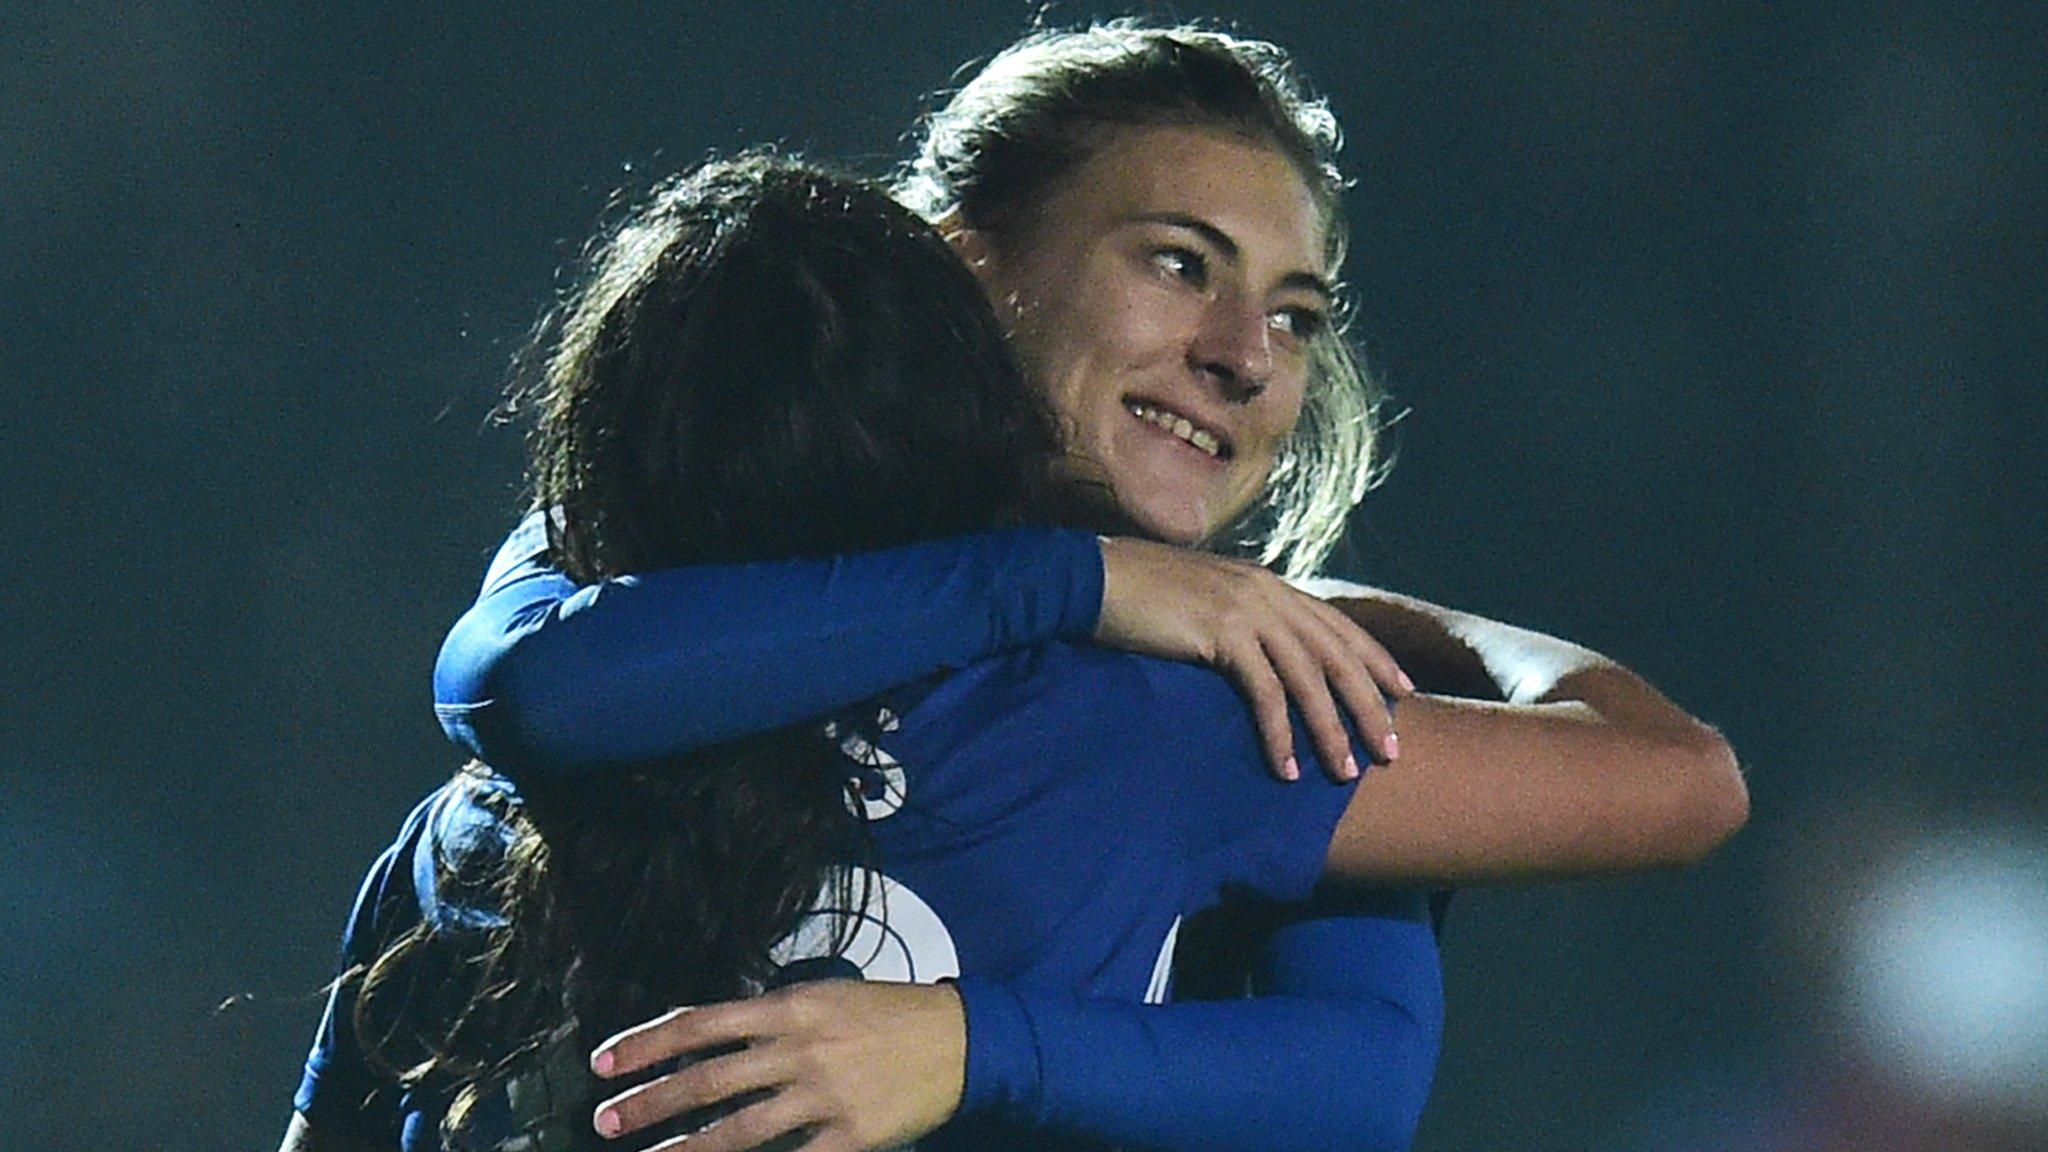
[603, 1062]
[1291, 769]
[1393, 746]
[608, 1123]
[1405, 681]
[1351, 767]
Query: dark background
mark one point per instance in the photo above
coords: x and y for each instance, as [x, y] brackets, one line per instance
[1722, 331]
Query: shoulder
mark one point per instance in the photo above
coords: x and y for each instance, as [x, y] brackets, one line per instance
[1060, 702]
[459, 849]
[1073, 719]
[523, 550]
[440, 870]
[1330, 588]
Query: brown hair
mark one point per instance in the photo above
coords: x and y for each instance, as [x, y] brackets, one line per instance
[764, 361]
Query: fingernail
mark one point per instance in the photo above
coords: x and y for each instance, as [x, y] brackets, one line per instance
[1405, 681]
[608, 1123]
[1291, 769]
[602, 1062]
[1351, 767]
[1393, 746]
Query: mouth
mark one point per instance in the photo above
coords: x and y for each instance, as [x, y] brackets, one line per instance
[1208, 441]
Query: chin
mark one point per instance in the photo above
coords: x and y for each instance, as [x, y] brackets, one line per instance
[1187, 527]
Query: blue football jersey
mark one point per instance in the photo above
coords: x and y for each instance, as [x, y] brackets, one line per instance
[1045, 818]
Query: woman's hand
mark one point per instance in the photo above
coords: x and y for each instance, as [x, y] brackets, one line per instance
[1277, 643]
[852, 1065]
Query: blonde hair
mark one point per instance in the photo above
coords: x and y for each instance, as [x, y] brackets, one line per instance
[1326, 466]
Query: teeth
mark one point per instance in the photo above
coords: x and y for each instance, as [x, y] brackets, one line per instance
[1180, 426]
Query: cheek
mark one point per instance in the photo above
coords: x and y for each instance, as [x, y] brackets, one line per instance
[1055, 369]
[1279, 413]
[1078, 361]
[1260, 448]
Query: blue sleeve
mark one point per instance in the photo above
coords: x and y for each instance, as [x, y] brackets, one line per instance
[339, 1091]
[1247, 833]
[542, 674]
[1336, 1051]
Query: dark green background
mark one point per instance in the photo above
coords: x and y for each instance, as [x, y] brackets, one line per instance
[1721, 328]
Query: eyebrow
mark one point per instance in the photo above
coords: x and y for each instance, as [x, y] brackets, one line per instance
[1222, 242]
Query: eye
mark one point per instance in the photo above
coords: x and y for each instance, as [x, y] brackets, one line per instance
[1183, 264]
[1301, 323]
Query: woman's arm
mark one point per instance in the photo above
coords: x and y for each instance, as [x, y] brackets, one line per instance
[1566, 763]
[1339, 1052]
[1575, 766]
[545, 675]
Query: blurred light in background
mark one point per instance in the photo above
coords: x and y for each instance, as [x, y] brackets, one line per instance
[1945, 970]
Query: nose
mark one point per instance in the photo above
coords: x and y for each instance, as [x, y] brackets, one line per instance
[1234, 347]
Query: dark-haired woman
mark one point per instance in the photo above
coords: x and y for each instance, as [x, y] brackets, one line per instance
[1155, 213]
[506, 929]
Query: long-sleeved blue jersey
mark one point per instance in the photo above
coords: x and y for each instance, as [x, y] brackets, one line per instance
[1044, 817]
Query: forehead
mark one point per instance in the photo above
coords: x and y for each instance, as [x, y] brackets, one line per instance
[1248, 190]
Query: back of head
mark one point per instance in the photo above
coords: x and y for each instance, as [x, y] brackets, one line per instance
[763, 361]
[767, 361]
[770, 361]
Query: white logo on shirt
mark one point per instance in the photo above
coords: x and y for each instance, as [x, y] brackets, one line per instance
[874, 920]
[893, 935]
[880, 789]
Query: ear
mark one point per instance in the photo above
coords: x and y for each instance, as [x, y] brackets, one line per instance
[974, 246]
[983, 257]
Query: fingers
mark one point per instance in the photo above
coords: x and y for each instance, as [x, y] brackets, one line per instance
[1363, 675]
[1249, 666]
[751, 1127]
[677, 1033]
[1278, 643]
[827, 1066]
[1359, 670]
[1368, 709]
[1378, 663]
[1327, 663]
[1304, 675]
[688, 1089]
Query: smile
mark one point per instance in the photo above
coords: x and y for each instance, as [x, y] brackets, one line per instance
[1209, 443]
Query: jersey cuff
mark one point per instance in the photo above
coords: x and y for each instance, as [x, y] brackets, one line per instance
[1003, 1073]
[1079, 554]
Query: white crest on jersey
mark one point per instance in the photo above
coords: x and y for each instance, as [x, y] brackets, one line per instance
[894, 785]
[895, 937]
